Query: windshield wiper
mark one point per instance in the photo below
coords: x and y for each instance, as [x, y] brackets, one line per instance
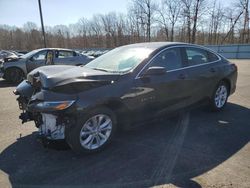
[109, 71]
[101, 69]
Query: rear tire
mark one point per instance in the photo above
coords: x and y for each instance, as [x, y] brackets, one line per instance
[92, 132]
[14, 75]
[219, 98]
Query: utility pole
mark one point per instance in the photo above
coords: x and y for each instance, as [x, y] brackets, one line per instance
[41, 17]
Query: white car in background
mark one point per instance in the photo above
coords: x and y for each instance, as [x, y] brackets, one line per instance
[4, 54]
[16, 70]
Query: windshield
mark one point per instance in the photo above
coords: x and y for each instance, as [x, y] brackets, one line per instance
[120, 60]
[29, 54]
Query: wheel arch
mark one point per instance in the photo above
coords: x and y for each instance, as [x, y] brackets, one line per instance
[20, 64]
[227, 81]
[117, 106]
[13, 67]
[121, 111]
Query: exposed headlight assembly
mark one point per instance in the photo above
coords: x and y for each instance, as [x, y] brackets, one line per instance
[55, 105]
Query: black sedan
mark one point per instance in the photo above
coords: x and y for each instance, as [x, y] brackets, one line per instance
[133, 83]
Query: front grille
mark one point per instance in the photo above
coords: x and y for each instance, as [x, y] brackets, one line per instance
[22, 103]
[30, 79]
[1, 68]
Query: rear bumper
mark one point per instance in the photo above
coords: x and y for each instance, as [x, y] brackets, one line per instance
[233, 79]
[1, 73]
[233, 89]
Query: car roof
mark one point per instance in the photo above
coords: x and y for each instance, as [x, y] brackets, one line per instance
[54, 49]
[154, 45]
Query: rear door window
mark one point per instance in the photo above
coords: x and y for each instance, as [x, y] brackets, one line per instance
[212, 57]
[64, 54]
[197, 56]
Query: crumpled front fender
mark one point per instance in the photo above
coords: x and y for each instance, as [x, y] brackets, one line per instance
[24, 89]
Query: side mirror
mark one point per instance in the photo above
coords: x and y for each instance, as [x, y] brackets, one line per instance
[155, 71]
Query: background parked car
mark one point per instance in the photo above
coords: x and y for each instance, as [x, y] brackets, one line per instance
[22, 52]
[15, 71]
[19, 53]
[94, 53]
[7, 55]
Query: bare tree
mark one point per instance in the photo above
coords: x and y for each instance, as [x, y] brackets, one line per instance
[121, 25]
[195, 18]
[216, 16]
[244, 5]
[233, 18]
[187, 15]
[110, 23]
[29, 26]
[96, 31]
[82, 30]
[192, 21]
[134, 24]
[32, 35]
[172, 10]
[163, 21]
[145, 10]
[192, 11]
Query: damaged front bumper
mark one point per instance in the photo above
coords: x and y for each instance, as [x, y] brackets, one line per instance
[51, 125]
[1, 71]
[50, 117]
[51, 128]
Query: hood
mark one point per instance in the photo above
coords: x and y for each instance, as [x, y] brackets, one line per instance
[11, 62]
[11, 59]
[59, 75]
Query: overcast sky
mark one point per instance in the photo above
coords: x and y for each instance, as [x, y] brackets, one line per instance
[55, 12]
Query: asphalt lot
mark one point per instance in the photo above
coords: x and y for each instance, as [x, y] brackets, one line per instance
[197, 149]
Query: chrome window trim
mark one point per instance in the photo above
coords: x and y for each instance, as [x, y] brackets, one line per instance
[187, 67]
[193, 66]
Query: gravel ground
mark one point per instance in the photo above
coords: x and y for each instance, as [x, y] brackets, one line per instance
[197, 149]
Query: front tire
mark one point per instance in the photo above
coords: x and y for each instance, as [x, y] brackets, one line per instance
[92, 131]
[220, 96]
[14, 75]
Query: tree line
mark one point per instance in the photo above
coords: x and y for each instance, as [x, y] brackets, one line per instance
[192, 21]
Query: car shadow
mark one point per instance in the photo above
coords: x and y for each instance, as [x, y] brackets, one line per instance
[167, 151]
[4, 84]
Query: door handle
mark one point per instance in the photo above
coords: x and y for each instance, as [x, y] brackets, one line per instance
[212, 70]
[182, 76]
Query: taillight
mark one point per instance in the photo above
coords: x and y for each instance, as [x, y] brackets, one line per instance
[234, 67]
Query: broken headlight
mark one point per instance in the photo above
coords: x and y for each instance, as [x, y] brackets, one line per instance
[55, 105]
